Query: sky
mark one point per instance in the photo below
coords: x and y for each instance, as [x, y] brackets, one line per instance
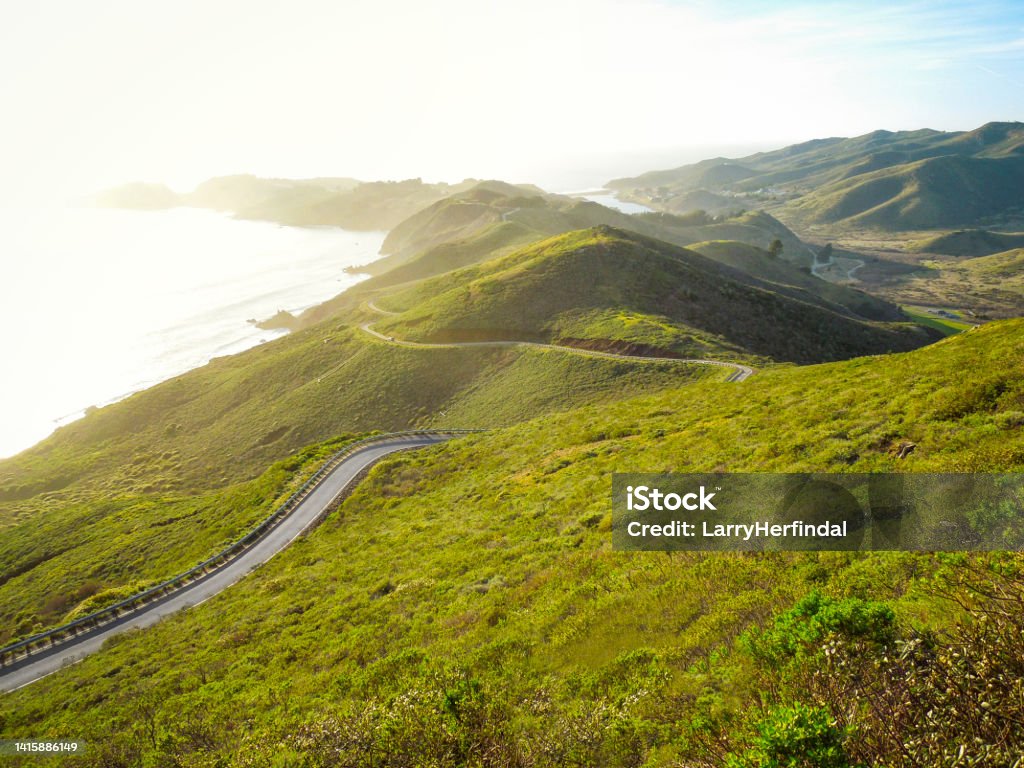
[552, 91]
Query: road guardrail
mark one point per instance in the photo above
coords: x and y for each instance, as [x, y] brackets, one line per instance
[44, 641]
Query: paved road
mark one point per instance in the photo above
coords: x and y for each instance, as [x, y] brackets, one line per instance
[739, 371]
[46, 662]
[380, 311]
[816, 268]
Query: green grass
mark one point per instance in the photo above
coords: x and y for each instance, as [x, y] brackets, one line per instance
[757, 262]
[990, 286]
[971, 242]
[464, 600]
[947, 326]
[935, 193]
[59, 559]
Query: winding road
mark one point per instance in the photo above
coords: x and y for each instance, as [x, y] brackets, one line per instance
[816, 268]
[739, 371]
[48, 660]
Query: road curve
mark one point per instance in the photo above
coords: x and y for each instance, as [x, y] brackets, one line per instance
[45, 662]
[739, 371]
[816, 267]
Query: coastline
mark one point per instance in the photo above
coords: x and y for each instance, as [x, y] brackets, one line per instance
[178, 287]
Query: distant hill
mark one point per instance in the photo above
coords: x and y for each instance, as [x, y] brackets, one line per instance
[492, 238]
[1008, 265]
[702, 200]
[612, 289]
[483, 221]
[939, 192]
[1000, 274]
[970, 242]
[244, 192]
[756, 228]
[457, 216]
[975, 288]
[887, 180]
[327, 201]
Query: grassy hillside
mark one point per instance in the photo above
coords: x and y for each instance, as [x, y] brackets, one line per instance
[887, 180]
[607, 288]
[822, 161]
[484, 223]
[702, 200]
[757, 262]
[1008, 268]
[755, 228]
[472, 220]
[141, 489]
[948, 326]
[490, 240]
[464, 607]
[971, 289]
[930, 194]
[458, 216]
[970, 242]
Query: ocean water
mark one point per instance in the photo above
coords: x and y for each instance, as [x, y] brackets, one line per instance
[609, 200]
[96, 304]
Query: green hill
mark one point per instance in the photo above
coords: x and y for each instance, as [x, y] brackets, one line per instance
[503, 238]
[994, 285]
[144, 488]
[757, 262]
[456, 217]
[756, 228]
[969, 242]
[244, 191]
[464, 606]
[971, 289]
[500, 225]
[607, 288]
[489, 240]
[929, 194]
[463, 217]
[495, 218]
[821, 161]
[702, 200]
[1007, 267]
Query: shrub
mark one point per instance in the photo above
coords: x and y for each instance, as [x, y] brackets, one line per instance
[802, 628]
[795, 736]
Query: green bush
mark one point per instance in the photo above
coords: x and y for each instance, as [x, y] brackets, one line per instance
[795, 736]
[800, 629]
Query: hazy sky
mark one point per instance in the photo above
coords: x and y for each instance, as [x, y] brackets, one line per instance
[96, 93]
